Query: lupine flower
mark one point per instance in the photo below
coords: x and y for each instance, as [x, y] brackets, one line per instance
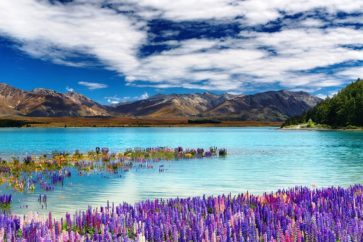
[28, 159]
[298, 214]
[105, 150]
[5, 201]
[46, 172]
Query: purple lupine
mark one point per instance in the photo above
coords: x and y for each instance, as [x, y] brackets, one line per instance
[105, 150]
[297, 214]
[5, 200]
[27, 160]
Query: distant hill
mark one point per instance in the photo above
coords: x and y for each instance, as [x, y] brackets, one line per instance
[47, 103]
[266, 106]
[342, 110]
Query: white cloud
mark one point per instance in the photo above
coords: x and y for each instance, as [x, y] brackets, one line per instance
[322, 96]
[353, 72]
[144, 96]
[63, 32]
[254, 11]
[202, 64]
[116, 100]
[51, 31]
[312, 23]
[93, 85]
[69, 89]
[325, 95]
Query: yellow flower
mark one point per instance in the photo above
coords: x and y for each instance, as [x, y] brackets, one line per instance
[188, 155]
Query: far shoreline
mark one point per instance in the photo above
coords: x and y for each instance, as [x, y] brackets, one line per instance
[322, 128]
[124, 122]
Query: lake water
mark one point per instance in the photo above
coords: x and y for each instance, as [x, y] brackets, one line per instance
[259, 160]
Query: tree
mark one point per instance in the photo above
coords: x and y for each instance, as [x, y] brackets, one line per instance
[345, 108]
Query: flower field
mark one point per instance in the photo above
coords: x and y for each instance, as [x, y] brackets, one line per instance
[297, 214]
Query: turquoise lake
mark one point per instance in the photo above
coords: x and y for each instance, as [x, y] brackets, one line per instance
[259, 160]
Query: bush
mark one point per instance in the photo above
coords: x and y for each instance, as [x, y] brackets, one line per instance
[311, 124]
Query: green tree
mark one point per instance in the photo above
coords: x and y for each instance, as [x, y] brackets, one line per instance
[343, 109]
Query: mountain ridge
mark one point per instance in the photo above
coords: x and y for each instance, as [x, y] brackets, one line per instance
[265, 106]
[41, 102]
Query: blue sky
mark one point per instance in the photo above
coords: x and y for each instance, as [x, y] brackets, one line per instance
[114, 51]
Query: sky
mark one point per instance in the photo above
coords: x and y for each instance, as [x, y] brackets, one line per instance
[117, 51]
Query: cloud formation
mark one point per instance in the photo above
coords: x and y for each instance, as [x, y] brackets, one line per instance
[92, 85]
[58, 31]
[224, 45]
[69, 89]
[116, 100]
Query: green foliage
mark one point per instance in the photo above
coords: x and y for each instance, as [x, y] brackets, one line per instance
[131, 234]
[19, 233]
[342, 110]
[90, 230]
[311, 123]
[5, 207]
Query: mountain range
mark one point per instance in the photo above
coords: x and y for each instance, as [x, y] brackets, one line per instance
[266, 106]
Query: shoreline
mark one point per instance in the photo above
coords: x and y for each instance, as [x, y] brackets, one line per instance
[299, 127]
[124, 122]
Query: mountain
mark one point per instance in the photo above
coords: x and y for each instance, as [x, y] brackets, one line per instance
[173, 105]
[266, 106]
[9, 98]
[42, 102]
[342, 110]
[271, 106]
